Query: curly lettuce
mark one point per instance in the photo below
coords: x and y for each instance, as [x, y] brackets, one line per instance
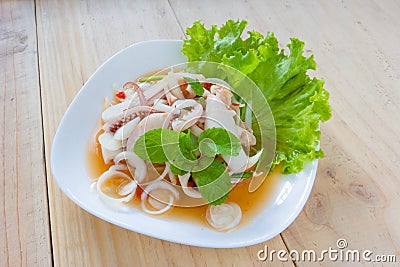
[298, 102]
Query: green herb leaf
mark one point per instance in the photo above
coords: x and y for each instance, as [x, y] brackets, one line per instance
[188, 145]
[176, 170]
[215, 141]
[207, 147]
[151, 78]
[157, 146]
[242, 175]
[201, 101]
[187, 158]
[195, 84]
[213, 182]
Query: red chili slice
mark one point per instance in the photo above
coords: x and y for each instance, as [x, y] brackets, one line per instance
[120, 95]
[207, 85]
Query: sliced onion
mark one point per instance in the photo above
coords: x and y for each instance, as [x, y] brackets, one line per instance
[135, 162]
[160, 177]
[183, 179]
[158, 185]
[224, 217]
[125, 131]
[118, 167]
[128, 188]
[128, 192]
[256, 174]
[254, 159]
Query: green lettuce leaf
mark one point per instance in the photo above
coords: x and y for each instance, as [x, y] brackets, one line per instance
[299, 103]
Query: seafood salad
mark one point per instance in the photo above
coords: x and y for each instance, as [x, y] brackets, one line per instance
[177, 139]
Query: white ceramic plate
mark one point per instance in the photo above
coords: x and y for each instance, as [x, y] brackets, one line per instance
[70, 171]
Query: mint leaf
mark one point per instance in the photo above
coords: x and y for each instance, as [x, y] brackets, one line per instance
[188, 145]
[176, 170]
[213, 183]
[219, 141]
[187, 158]
[157, 146]
[207, 147]
[196, 86]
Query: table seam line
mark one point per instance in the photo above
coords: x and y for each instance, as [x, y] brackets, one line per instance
[43, 135]
[176, 19]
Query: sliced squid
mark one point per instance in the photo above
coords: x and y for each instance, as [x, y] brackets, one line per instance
[217, 115]
[160, 104]
[166, 104]
[246, 137]
[224, 217]
[173, 84]
[154, 121]
[155, 91]
[190, 118]
[222, 94]
[124, 131]
[115, 111]
[150, 122]
[159, 205]
[184, 179]
[110, 147]
[124, 192]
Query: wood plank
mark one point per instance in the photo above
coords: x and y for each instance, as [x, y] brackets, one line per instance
[75, 37]
[24, 223]
[355, 45]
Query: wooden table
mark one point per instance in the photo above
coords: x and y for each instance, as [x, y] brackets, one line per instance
[48, 49]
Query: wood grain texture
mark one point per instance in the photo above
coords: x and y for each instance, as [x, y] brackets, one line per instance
[356, 191]
[355, 44]
[24, 223]
[74, 38]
